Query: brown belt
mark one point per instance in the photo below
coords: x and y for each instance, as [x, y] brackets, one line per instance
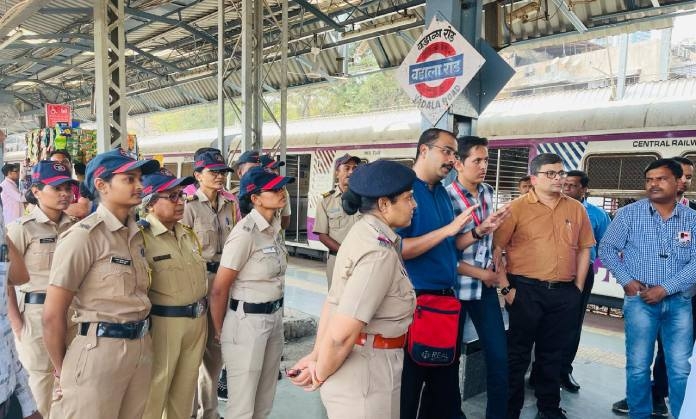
[380, 342]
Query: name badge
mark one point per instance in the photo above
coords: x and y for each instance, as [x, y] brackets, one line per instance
[162, 257]
[47, 240]
[684, 236]
[121, 261]
[268, 250]
[481, 255]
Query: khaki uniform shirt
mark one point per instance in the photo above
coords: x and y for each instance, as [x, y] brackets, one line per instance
[370, 282]
[179, 276]
[36, 237]
[103, 262]
[210, 226]
[257, 252]
[331, 219]
[542, 243]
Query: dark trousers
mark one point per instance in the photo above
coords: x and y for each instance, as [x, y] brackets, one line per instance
[11, 409]
[548, 318]
[659, 384]
[488, 320]
[569, 356]
[431, 392]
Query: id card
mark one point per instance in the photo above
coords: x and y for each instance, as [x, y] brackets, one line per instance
[268, 250]
[481, 255]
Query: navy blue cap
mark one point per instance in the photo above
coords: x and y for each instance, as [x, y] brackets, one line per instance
[115, 161]
[249, 156]
[211, 160]
[51, 173]
[269, 162]
[381, 178]
[164, 180]
[345, 159]
[259, 179]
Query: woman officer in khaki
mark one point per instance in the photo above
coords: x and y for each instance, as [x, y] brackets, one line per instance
[358, 355]
[106, 371]
[178, 296]
[252, 273]
[36, 235]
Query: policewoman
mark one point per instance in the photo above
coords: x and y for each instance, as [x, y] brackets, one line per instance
[212, 213]
[105, 372]
[36, 236]
[358, 355]
[247, 297]
[178, 296]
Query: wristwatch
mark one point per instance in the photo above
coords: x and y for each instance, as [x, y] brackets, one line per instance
[475, 234]
[505, 291]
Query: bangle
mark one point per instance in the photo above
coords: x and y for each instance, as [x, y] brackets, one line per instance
[316, 378]
[475, 234]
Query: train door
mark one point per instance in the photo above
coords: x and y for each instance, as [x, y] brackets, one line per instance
[298, 166]
[505, 168]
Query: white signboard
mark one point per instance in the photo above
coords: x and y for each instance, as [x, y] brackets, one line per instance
[438, 67]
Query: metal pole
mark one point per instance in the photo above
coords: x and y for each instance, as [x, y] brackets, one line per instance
[221, 76]
[621, 74]
[284, 88]
[246, 76]
[258, 75]
[497, 180]
[665, 52]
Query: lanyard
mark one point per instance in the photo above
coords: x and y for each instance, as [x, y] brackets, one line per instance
[477, 220]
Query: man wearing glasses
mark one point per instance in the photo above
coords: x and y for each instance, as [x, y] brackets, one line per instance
[547, 240]
[12, 207]
[212, 214]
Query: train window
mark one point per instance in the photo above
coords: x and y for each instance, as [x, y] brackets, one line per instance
[617, 172]
[187, 169]
[690, 156]
[172, 167]
[505, 168]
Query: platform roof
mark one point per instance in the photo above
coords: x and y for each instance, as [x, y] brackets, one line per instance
[172, 44]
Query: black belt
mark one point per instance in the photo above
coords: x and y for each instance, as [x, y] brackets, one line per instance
[34, 298]
[447, 292]
[194, 311]
[545, 284]
[212, 267]
[258, 308]
[332, 253]
[132, 330]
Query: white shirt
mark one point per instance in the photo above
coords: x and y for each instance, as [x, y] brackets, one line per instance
[11, 200]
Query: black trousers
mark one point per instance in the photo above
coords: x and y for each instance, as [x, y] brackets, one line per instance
[569, 356]
[431, 392]
[13, 409]
[548, 318]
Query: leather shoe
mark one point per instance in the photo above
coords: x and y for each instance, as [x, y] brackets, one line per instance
[552, 414]
[569, 383]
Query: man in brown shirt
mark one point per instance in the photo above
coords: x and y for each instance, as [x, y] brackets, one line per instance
[547, 240]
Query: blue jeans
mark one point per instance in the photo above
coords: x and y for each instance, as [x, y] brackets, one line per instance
[672, 318]
[487, 318]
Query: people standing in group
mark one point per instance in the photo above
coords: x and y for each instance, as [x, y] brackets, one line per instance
[80, 207]
[332, 223]
[544, 298]
[212, 214]
[247, 297]
[12, 205]
[524, 185]
[105, 372]
[178, 295]
[649, 249]
[359, 349]
[477, 282]
[35, 235]
[429, 250]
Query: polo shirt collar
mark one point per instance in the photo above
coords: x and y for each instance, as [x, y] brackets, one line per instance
[466, 191]
[533, 198]
[676, 212]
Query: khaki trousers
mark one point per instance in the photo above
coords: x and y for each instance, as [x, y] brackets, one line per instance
[366, 386]
[35, 359]
[104, 378]
[205, 404]
[252, 345]
[177, 348]
[330, 263]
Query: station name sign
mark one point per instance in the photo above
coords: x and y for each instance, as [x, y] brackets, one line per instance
[689, 142]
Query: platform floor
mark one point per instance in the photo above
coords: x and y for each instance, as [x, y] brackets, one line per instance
[599, 366]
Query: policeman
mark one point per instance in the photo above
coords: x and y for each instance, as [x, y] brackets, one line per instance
[212, 214]
[332, 223]
[105, 372]
[274, 166]
[248, 295]
[178, 296]
[36, 235]
[358, 355]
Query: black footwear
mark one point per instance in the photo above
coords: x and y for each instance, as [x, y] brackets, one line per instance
[620, 407]
[660, 407]
[569, 384]
[552, 414]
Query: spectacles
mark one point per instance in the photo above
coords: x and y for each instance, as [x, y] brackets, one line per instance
[446, 150]
[173, 197]
[275, 190]
[551, 174]
[216, 173]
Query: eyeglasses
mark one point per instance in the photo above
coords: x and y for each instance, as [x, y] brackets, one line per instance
[446, 150]
[216, 173]
[551, 174]
[275, 190]
[173, 197]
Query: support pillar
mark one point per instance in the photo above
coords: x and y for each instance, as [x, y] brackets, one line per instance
[252, 64]
[221, 77]
[111, 108]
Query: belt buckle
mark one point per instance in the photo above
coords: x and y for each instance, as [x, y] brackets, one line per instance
[200, 308]
[143, 329]
[275, 306]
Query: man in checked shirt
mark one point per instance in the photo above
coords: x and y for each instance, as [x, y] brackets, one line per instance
[650, 249]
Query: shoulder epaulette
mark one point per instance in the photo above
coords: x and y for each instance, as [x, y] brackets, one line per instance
[90, 222]
[328, 194]
[143, 223]
[190, 198]
[25, 219]
[186, 226]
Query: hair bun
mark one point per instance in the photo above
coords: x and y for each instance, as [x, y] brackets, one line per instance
[350, 201]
